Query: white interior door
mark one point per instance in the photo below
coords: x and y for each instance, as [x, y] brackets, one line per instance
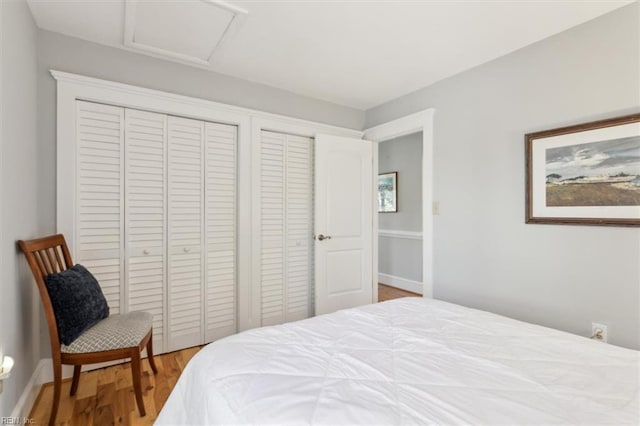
[343, 223]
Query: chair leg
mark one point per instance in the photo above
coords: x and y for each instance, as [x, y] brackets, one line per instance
[57, 389]
[137, 375]
[152, 362]
[76, 379]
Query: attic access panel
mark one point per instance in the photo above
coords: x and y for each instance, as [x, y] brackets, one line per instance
[190, 31]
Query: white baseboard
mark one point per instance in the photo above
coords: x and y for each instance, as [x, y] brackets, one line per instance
[401, 283]
[46, 376]
[30, 392]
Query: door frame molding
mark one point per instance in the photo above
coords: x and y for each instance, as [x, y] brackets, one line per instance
[418, 122]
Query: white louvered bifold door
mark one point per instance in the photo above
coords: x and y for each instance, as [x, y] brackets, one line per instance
[272, 275]
[220, 192]
[286, 227]
[145, 153]
[99, 241]
[185, 198]
[299, 227]
[155, 219]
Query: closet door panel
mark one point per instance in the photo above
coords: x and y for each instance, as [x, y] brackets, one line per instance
[145, 140]
[299, 227]
[99, 242]
[185, 199]
[286, 221]
[272, 224]
[220, 198]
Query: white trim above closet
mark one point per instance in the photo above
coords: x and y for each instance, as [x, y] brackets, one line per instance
[249, 124]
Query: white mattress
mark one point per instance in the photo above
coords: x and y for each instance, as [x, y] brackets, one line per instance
[407, 361]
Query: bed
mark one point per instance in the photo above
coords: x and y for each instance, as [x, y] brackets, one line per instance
[407, 361]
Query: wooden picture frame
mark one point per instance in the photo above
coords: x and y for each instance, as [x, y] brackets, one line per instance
[586, 174]
[388, 192]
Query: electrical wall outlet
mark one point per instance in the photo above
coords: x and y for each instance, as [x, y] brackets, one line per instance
[599, 332]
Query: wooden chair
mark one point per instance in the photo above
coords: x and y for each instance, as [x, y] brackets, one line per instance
[115, 337]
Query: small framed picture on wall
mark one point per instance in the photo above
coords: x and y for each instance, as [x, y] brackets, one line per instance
[388, 192]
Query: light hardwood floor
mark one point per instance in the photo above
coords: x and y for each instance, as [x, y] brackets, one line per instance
[386, 292]
[105, 396]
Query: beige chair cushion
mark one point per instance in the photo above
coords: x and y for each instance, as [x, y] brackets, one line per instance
[113, 332]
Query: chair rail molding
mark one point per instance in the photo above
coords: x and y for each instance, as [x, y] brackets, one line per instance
[392, 233]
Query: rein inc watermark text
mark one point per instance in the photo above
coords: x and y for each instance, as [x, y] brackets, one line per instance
[16, 421]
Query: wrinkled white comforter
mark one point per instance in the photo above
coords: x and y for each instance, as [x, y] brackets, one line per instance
[407, 361]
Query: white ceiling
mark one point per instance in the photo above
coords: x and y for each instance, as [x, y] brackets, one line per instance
[353, 53]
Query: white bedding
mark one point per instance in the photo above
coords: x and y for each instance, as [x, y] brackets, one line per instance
[407, 361]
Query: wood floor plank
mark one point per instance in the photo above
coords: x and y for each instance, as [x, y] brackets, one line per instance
[386, 292]
[89, 385]
[106, 375]
[123, 376]
[106, 394]
[172, 369]
[83, 411]
[42, 406]
[67, 403]
[123, 406]
[162, 389]
[104, 415]
[148, 396]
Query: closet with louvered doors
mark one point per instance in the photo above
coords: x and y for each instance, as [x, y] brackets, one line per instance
[155, 218]
[286, 227]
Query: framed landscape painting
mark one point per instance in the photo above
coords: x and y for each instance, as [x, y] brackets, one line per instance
[586, 174]
[388, 192]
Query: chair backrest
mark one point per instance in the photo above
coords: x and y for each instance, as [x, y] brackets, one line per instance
[46, 256]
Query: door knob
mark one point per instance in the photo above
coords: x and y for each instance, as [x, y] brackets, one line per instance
[323, 237]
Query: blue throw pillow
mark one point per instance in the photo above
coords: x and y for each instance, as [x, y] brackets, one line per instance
[78, 302]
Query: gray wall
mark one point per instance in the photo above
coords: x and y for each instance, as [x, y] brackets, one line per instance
[403, 155]
[485, 255]
[20, 209]
[63, 53]
[401, 257]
